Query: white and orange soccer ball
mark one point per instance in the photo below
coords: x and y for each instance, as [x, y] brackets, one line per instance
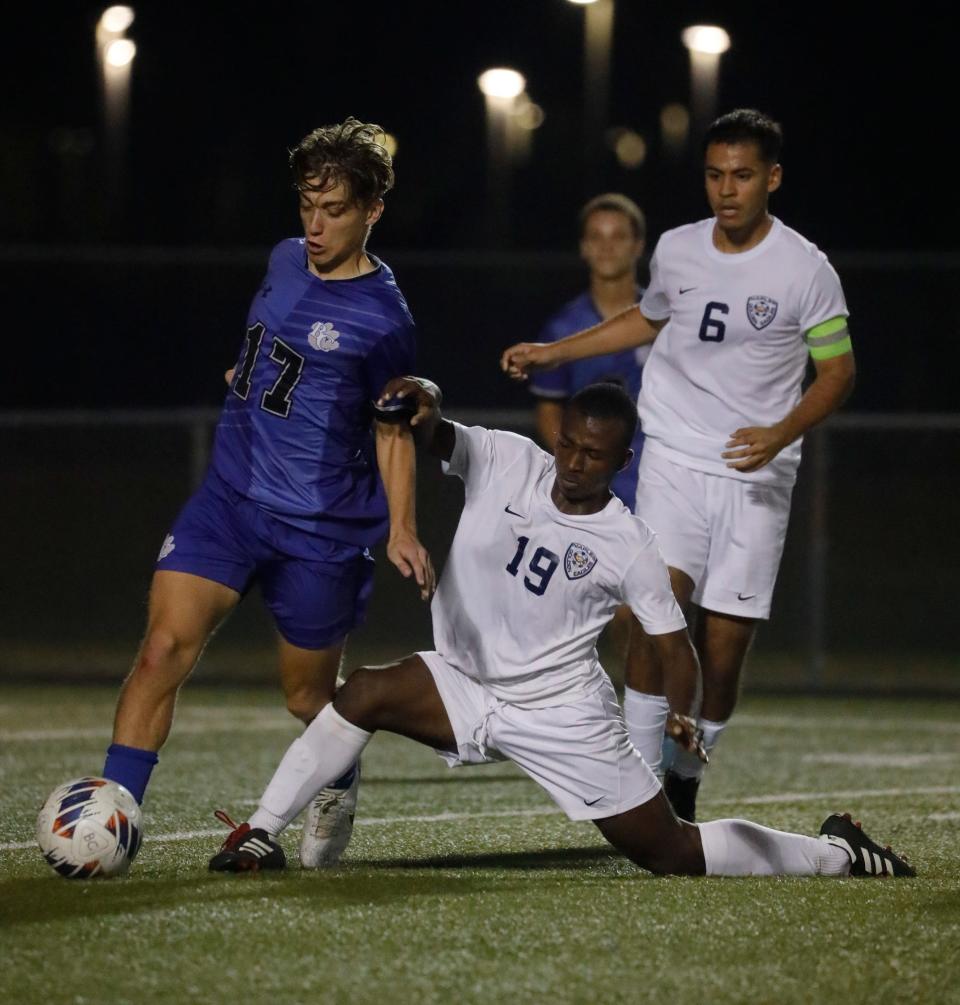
[89, 827]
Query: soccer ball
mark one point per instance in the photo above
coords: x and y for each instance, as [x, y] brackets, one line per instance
[89, 827]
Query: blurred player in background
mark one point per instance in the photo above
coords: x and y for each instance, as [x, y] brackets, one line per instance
[613, 234]
[735, 303]
[543, 554]
[292, 499]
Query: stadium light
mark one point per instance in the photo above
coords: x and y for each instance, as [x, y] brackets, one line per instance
[674, 127]
[502, 87]
[120, 52]
[597, 45]
[115, 54]
[501, 82]
[706, 43]
[706, 38]
[116, 19]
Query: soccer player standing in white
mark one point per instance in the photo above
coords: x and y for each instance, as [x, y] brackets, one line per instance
[735, 304]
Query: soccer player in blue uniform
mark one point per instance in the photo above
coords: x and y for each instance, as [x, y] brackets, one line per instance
[613, 235]
[293, 498]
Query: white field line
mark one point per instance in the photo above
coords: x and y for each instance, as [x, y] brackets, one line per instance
[239, 720]
[543, 811]
[888, 760]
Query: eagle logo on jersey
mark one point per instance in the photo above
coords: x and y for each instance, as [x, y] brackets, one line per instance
[578, 561]
[323, 336]
[167, 547]
[761, 311]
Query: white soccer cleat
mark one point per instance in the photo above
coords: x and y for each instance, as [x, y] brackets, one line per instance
[328, 825]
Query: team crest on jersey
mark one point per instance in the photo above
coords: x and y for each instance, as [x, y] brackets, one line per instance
[761, 311]
[578, 561]
[323, 336]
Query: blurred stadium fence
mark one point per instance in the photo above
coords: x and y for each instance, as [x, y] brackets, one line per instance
[863, 603]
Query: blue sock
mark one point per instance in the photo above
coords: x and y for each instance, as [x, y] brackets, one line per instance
[346, 779]
[130, 767]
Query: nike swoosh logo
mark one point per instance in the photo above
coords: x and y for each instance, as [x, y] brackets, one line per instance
[506, 509]
[749, 596]
[687, 290]
[592, 802]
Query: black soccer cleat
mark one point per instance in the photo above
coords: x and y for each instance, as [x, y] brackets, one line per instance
[682, 794]
[867, 858]
[246, 849]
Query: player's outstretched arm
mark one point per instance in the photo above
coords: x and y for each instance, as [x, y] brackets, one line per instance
[396, 458]
[625, 330]
[681, 671]
[751, 447]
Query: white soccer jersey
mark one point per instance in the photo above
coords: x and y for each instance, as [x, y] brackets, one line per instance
[527, 589]
[732, 353]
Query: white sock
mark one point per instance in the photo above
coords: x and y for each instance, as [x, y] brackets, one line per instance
[327, 748]
[742, 848]
[646, 717]
[688, 765]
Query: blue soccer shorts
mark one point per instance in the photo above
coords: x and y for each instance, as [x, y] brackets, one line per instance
[316, 588]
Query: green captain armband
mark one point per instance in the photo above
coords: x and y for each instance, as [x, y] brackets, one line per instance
[828, 339]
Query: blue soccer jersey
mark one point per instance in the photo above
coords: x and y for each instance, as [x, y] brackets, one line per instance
[624, 368]
[295, 434]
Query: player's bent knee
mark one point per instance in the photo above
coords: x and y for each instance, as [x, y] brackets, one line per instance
[364, 699]
[165, 654]
[308, 703]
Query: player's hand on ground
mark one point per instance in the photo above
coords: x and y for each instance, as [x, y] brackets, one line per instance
[520, 359]
[686, 734]
[228, 375]
[412, 559]
[750, 448]
[419, 393]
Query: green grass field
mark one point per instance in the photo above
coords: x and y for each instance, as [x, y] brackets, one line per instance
[467, 886]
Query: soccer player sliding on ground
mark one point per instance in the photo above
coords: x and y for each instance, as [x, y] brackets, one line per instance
[542, 557]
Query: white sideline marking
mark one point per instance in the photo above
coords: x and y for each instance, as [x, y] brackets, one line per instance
[240, 720]
[880, 760]
[821, 722]
[544, 811]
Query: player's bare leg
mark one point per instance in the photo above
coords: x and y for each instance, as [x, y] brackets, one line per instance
[308, 677]
[184, 611]
[651, 836]
[401, 698]
[722, 641]
[645, 705]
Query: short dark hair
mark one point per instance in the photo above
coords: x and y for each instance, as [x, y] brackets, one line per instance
[747, 125]
[352, 152]
[615, 202]
[607, 401]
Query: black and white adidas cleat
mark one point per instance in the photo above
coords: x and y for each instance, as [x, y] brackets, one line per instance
[246, 849]
[867, 858]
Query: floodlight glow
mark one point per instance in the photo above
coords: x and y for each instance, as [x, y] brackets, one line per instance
[390, 142]
[583, 3]
[674, 121]
[116, 19]
[501, 82]
[630, 148]
[706, 38]
[120, 52]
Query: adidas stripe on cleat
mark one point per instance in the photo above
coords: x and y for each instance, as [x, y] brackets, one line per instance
[246, 849]
[867, 858]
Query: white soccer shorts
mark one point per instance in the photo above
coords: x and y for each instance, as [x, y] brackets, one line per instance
[580, 753]
[726, 534]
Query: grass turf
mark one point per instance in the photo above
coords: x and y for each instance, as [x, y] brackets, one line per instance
[467, 886]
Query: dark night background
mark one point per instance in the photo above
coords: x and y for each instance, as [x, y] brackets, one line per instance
[113, 282]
